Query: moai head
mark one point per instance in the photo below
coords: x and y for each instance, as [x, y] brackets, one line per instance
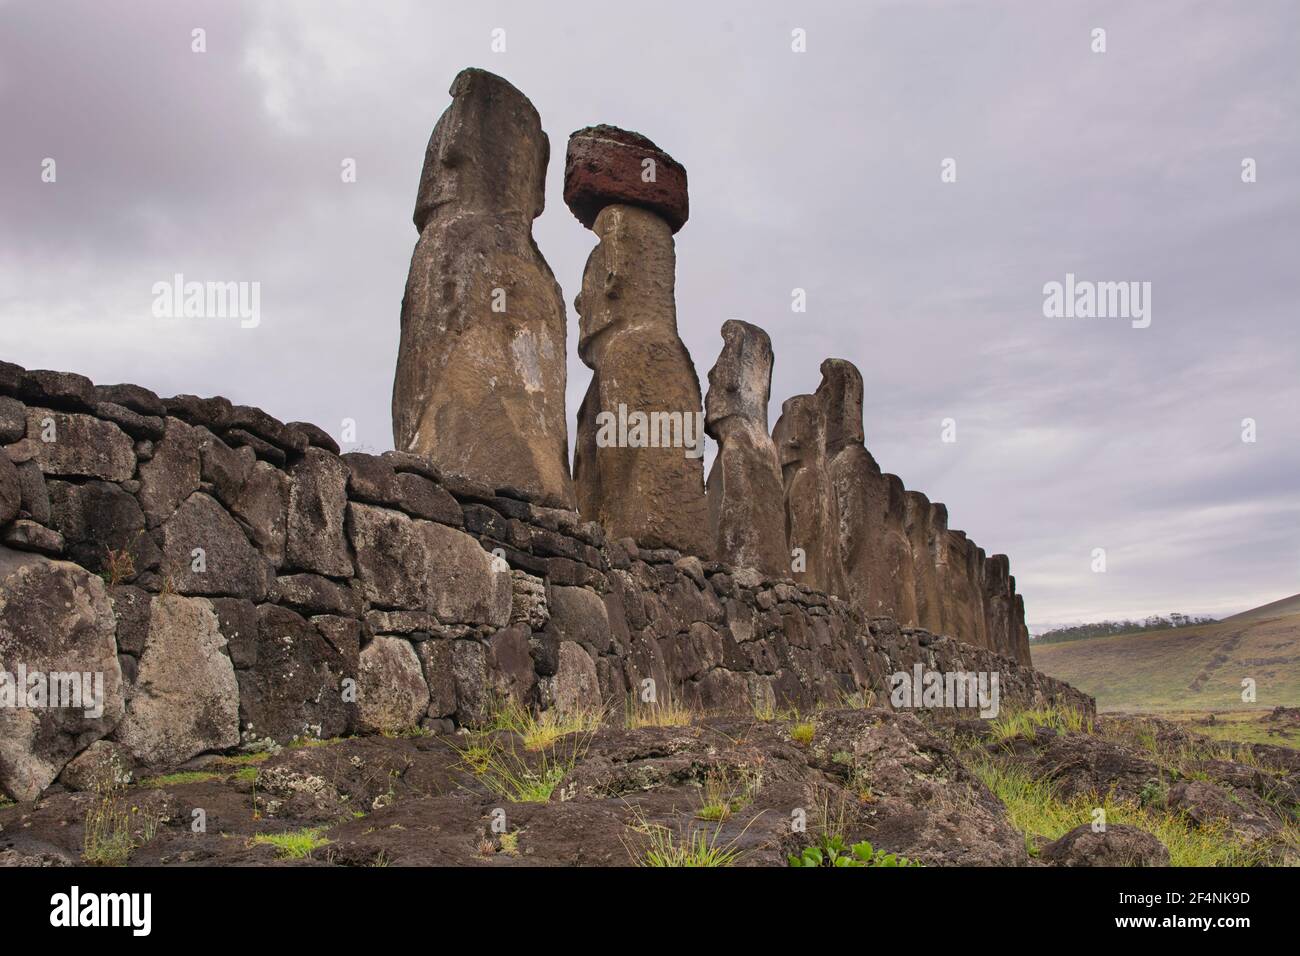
[918, 512]
[896, 502]
[799, 430]
[740, 382]
[629, 278]
[840, 393]
[487, 152]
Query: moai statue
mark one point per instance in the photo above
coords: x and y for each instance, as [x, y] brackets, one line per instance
[897, 553]
[811, 515]
[638, 461]
[999, 605]
[959, 600]
[745, 493]
[1020, 627]
[480, 377]
[925, 572]
[850, 470]
[938, 545]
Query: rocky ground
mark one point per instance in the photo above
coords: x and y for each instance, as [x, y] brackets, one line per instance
[1019, 791]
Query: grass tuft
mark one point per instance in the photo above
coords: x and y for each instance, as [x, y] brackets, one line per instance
[294, 845]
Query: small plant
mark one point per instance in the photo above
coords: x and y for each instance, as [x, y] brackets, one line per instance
[803, 732]
[668, 712]
[179, 778]
[510, 843]
[119, 565]
[541, 731]
[295, 845]
[723, 793]
[830, 851]
[524, 777]
[113, 831]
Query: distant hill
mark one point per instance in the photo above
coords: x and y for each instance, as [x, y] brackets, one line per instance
[1187, 668]
[1281, 608]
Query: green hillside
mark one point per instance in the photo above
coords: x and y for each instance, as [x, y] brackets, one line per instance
[1193, 668]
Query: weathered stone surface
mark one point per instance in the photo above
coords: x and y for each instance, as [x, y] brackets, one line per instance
[313, 594]
[102, 765]
[410, 564]
[315, 436]
[103, 528]
[56, 389]
[237, 619]
[223, 467]
[262, 504]
[812, 518]
[436, 659]
[226, 565]
[186, 700]
[173, 472]
[79, 445]
[745, 493]
[644, 480]
[391, 692]
[1118, 845]
[575, 685]
[55, 618]
[134, 397]
[213, 414]
[13, 420]
[25, 535]
[11, 489]
[579, 615]
[511, 663]
[483, 320]
[371, 479]
[261, 448]
[473, 690]
[145, 427]
[528, 600]
[317, 499]
[605, 165]
[35, 494]
[295, 688]
[420, 497]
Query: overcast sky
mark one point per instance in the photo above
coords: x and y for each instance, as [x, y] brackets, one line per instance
[816, 170]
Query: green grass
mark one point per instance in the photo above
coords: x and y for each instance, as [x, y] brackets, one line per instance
[669, 712]
[180, 778]
[1036, 810]
[1187, 668]
[294, 845]
[1022, 723]
[803, 732]
[541, 731]
[659, 846]
[520, 775]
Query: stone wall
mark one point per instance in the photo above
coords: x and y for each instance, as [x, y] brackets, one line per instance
[234, 579]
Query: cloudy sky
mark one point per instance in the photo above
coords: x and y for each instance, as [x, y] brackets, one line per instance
[817, 170]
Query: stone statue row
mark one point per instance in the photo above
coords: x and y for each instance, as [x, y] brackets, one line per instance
[480, 385]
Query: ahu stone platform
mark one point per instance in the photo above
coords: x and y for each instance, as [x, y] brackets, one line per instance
[233, 580]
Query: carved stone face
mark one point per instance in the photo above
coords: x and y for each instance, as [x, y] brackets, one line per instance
[840, 394]
[741, 380]
[593, 302]
[487, 152]
[798, 431]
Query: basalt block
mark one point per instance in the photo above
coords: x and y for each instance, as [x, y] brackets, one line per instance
[744, 490]
[608, 166]
[480, 380]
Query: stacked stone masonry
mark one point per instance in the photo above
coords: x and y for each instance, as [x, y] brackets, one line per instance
[235, 580]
